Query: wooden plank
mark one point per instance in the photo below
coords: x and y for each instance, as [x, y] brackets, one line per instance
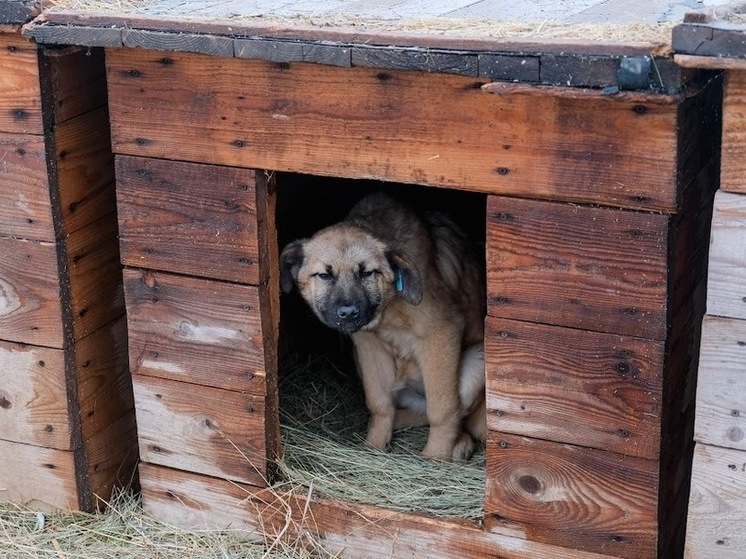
[75, 81]
[40, 478]
[95, 277]
[112, 458]
[717, 509]
[709, 62]
[196, 331]
[589, 268]
[508, 68]
[726, 289]
[84, 170]
[185, 42]
[721, 386]
[578, 71]
[89, 36]
[33, 396]
[572, 386]
[416, 59]
[261, 115]
[19, 11]
[709, 40]
[733, 164]
[293, 51]
[200, 429]
[25, 209]
[345, 530]
[169, 221]
[30, 309]
[570, 496]
[20, 94]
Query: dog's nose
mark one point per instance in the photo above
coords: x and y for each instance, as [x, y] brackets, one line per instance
[348, 311]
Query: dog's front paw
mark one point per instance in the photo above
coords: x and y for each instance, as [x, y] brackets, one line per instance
[436, 452]
[464, 448]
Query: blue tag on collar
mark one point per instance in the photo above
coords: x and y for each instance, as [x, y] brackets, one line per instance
[399, 281]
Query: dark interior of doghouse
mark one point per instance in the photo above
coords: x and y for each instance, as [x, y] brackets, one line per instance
[319, 387]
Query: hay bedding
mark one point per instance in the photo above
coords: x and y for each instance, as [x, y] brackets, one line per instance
[323, 420]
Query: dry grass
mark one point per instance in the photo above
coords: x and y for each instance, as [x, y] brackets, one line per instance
[323, 427]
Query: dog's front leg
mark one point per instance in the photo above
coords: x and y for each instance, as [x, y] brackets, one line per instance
[439, 360]
[378, 371]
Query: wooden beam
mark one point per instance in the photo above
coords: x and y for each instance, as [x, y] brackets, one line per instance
[733, 164]
[20, 96]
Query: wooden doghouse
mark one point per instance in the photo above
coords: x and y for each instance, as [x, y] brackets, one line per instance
[67, 427]
[599, 164]
[717, 510]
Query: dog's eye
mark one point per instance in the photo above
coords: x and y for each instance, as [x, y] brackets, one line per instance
[326, 276]
[367, 273]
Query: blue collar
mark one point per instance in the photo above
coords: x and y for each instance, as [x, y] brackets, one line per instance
[399, 281]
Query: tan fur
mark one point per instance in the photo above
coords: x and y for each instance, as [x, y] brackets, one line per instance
[419, 351]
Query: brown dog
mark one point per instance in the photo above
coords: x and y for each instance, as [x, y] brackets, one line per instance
[409, 291]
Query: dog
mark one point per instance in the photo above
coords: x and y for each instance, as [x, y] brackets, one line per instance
[409, 290]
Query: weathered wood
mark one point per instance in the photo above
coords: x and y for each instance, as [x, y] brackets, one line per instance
[263, 115]
[25, 209]
[84, 170]
[721, 388]
[200, 429]
[589, 268]
[95, 277]
[186, 42]
[33, 402]
[40, 478]
[20, 98]
[573, 386]
[570, 496]
[726, 288]
[733, 165]
[19, 11]
[346, 530]
[507, 67]
[714, 39]
[170, 221]
[194, 330]
[560, 69]
[89, 36]
[30, 310]
[293, 51]
[717, 509]
[416, 59]
[709, 62]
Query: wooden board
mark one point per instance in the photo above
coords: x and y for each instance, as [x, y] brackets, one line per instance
[589, 268]
[30, 308]
[346, 530]
[33, 396]
[401, 126]
[25, 209]
[721, 385]
[200, 429]
[39, 478]
[726, 289]
[733, 165]
[84, 170]
[571, 496]
[95, 276]
[194, 330]
[717, 508]
[192, 219]
[573, 386]
[20, 94]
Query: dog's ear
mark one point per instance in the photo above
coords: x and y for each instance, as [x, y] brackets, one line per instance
[407, 279]
[291, 260]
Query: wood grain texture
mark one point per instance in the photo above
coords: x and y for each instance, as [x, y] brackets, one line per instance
[589, 268]
[274, 116]
[721, 386]
[346, 530]
[30, 310]
[186, 42]
[717, 509]
[194, 330]
[572, 386]
[726, 288]
[39, 478]
[424, 60]
[20, 93]
[733, 163]
[84, 168]
[571, 496]
[95, 276]
[200, 429]
[33, 396]
[25, 209]
[171, 220]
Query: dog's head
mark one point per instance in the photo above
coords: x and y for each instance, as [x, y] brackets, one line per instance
[347, 276]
